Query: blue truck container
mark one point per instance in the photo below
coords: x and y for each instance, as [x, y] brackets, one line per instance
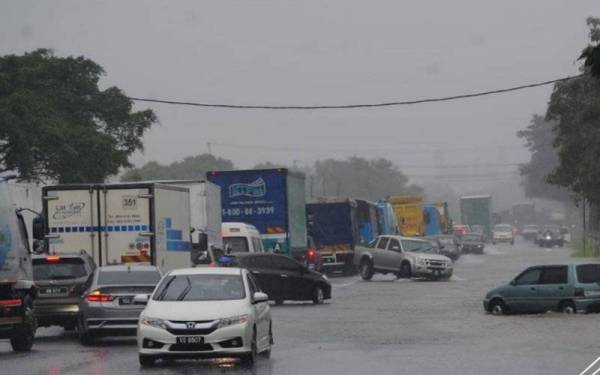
[272, 200]
[432, 220]
[388, 223]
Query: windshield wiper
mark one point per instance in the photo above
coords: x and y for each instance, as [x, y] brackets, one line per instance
[186, 290]
[164, 291]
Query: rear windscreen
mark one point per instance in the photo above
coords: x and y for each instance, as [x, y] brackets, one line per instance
[62, 269]
[236, 244]
[588, 273]
[132, 277]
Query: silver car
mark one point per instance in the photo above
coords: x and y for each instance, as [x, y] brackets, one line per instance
[107, 307]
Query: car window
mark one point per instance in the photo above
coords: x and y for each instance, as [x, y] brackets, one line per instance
[200, 288]
[394, 245]
[383, 241]
[554, 275]
[133, 277]
[58, 268]
[283, 263]
[409, 245]
[251, 285]
[529, 277]
[260, 261]
[236, 244]
[588, 273]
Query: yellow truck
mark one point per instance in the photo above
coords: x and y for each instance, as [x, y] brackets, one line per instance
[409, 211]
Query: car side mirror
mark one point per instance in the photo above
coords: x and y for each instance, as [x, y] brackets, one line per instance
[260, 297]
[38, 226]
[140, 299]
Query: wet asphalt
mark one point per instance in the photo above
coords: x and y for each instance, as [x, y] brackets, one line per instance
[385, 326]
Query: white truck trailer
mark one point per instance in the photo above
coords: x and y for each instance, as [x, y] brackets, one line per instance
[147, 223]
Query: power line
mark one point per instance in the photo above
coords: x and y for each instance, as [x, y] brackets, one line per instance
[355, 106]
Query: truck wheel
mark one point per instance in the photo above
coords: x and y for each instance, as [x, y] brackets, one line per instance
[24, 341]
[366, 270]
[405, 270]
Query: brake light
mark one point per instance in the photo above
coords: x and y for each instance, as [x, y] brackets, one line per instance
[579, 292]
[52, 259]
[311, 253]
[98, 296]
[11, 302]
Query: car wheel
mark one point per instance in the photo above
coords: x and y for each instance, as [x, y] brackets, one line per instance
[267, 353]
[248, 359]
[567, 307]
[497, 307]
[146, 360]
[318, 296]
[405, 270]
[366, 270]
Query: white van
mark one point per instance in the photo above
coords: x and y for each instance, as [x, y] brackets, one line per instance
[241, 238]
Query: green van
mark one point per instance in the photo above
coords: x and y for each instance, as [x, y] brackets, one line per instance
[568, 288]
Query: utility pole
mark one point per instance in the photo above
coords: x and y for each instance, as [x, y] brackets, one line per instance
[584, 228]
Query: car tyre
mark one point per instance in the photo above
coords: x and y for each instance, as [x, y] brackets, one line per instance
[318, 296]
[247, 360]
[498, 307]
[267, 353]
[146, 360]
[405, 270]
[567, 307]
[366, 270]
[85, 337]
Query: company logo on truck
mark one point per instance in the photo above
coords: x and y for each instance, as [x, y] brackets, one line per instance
[254, 189]
[65, 211]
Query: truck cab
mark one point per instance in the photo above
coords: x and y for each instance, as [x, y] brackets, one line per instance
[17, 290]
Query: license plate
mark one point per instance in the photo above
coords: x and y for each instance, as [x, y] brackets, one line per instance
[125, 300]
[53, 291]
[190, 340]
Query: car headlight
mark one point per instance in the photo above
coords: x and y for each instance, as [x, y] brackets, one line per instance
[154, 322]
[325, 277]
[233, 321]
[421, 262]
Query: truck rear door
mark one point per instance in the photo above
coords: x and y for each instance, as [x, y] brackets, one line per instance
[125, 225]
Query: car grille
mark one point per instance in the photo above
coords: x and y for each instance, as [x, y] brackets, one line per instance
[191, 348]
[201, 327]
[436, 263]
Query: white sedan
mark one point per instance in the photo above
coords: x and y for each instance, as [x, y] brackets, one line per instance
[205, 313]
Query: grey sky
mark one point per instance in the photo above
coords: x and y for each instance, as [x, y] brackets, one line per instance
[320, 52]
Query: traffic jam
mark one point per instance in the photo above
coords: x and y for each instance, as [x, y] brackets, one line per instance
[193, 269]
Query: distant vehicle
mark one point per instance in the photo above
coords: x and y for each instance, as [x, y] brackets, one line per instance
[566, 233]
[409, 212]
[450, 246]
[432, 221]
[503, 233]
[477, 210]
[445, 220]
[107, 307]
[283, 278]
[208, 258]
[130, 223]
[472, 243]
[311, 258]
[479, 229]
[388, 222]
[460, 229]
[61, 281]
[17, 288]
[550, 236]
[241, 238]
[404, 257]
[205, 313]
[530, 232]
[568, 288]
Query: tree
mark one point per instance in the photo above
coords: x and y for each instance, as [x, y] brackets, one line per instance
[191, 168]
[591, 54]
[539, 138]
[361, 178]
[56, 123]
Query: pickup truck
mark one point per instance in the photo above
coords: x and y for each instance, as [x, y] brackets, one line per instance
[402, 256]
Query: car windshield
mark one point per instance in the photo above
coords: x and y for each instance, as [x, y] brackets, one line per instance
[131, 277]
[425, 247]
[58, 269]
[471, 237]
[503, 228]
[201, 288]
[447, 240]
[236, 244]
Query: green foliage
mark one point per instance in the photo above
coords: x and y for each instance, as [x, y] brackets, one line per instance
[191, 168]
[362, 178]
[539, 138]
[591, 54]
[56, 123]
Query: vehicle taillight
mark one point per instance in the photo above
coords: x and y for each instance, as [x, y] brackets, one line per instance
[213, 264]
[52, 259]
[579, 292]
[17, 302]
[311, 253]
[98, 296]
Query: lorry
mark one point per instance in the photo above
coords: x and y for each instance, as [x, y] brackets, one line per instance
[272, 200]
[444, 215]
[477, 210]
[368, 222]
[334, 228]
[432, 221]
[17, 288]
[409, 212]
[388, 223]
[146, 223]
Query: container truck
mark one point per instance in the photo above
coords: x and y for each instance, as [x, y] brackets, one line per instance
[432, 221]
[477, 210]
[444, 214]
[272, 200]
[334, 228]
[147, 223]
[409, 212]
[388, 223]
[367, 217]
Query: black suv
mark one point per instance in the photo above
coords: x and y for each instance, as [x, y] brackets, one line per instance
[61, 281]
[282, 277]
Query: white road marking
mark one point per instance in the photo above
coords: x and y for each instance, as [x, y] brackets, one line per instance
[587, 369]
[345, 285]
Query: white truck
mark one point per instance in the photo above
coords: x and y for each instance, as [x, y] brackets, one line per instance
[147, 223]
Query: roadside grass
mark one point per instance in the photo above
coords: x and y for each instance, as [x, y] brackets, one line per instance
[577, 250]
